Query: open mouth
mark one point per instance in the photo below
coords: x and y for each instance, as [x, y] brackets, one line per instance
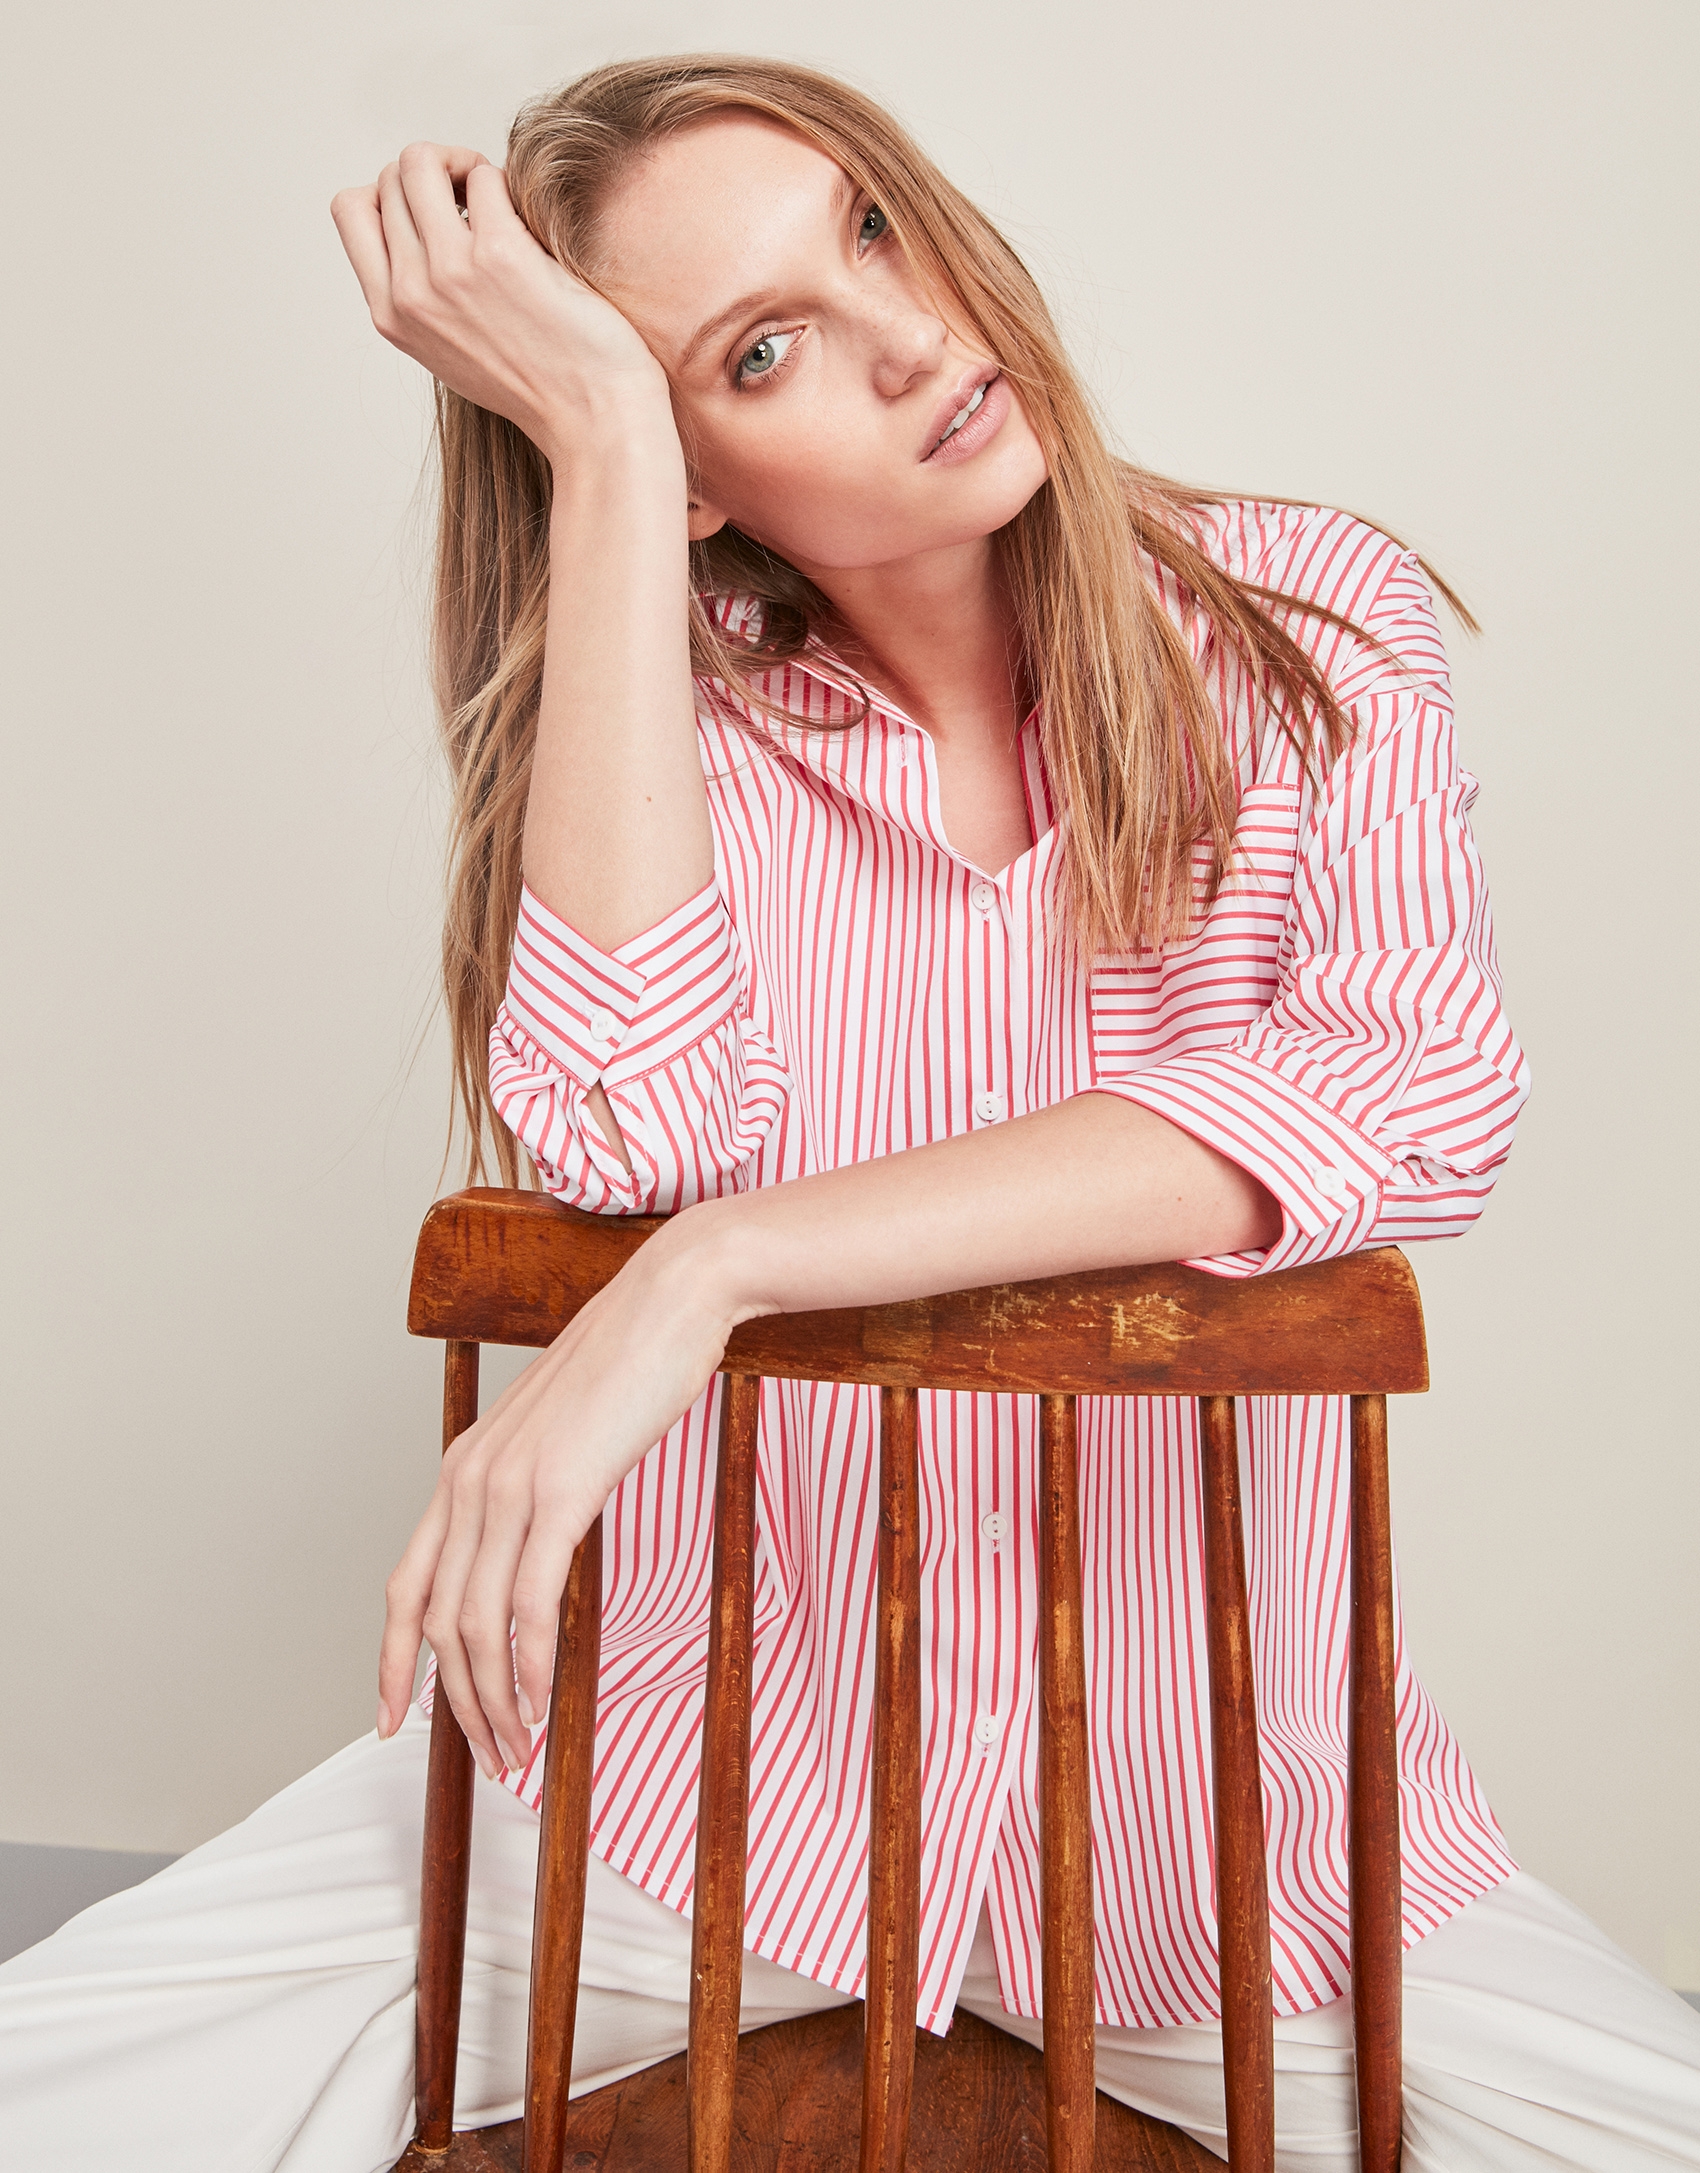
[962, 414]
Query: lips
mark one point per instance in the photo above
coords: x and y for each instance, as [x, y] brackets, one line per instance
[960, 405]
[962, 414]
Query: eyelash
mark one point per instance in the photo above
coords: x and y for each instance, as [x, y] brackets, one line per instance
[741, 383]
[776, 332]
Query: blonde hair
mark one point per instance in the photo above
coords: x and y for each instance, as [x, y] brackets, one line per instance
[1132, 745]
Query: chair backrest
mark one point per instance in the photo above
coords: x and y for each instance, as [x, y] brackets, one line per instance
[513, 1268]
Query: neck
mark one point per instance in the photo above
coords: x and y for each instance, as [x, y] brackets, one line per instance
[935, 633]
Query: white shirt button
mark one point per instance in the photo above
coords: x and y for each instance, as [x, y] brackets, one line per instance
[982, 896]
[989, 1108]
[995, 1526]
[987, 1728]
[1330, 1182]
[602, 1024]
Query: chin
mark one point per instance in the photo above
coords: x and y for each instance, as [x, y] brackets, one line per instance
[993, 494]
[883, 537]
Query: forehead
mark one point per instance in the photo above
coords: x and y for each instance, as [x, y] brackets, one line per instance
[731, 205]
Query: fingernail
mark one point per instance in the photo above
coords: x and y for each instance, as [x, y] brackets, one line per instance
[383, 1721]
[525, 1712]
[486, 1763]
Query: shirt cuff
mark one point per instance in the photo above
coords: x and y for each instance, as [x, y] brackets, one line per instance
[1325, 1175]
[614, 1015]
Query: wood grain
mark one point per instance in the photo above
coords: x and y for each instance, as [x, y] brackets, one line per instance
[979, 2108]
[1242, 1888]
[1068, 1962]
[894, 1811]
[447, 1861]
[563, 1856]
[723, 1797]
[514, 1267]
[1372, 1817]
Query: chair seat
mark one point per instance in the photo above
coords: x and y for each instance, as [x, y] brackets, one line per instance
[979, 2108]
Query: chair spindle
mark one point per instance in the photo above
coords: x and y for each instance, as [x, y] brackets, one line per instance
[723, 1800]
[1242, 1889]
[1069, 1957]
[510, 1268]
[448, 1848]
[894, 1815]
[1373, 1801]
[563, 1859]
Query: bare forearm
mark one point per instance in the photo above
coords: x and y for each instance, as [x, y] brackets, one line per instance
[1092, 1182]
[616, 830]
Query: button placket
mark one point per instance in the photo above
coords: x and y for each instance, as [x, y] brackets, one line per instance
[985, 902]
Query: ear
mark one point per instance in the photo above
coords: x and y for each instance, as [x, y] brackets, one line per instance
[704, 520]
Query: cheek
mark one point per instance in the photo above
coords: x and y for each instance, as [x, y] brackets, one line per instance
[794, 469]
[815, 468]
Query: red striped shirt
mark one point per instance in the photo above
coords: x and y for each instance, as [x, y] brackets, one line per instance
[849, 986]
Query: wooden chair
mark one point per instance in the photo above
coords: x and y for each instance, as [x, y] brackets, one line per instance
[513, 1267]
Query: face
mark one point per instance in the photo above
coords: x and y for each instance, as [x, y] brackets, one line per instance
[814, 380]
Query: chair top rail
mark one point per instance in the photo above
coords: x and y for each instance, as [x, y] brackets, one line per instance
[514, 1267]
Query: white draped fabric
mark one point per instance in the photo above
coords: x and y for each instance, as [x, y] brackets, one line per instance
[250, 2010]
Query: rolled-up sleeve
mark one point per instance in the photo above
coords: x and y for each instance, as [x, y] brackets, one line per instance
[1376, 1096]
[661, 1025]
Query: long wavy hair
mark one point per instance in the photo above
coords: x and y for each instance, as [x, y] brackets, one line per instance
[1133, 747]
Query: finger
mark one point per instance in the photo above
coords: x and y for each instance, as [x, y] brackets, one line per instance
[540, 1578]
[405, 1597]
[443, 1612]
[430, 174]
[490, 208]
[360, 227]
[493, 1611]
[486, 1615]
[401, 237]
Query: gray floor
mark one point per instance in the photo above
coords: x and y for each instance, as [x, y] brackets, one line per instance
[41, 1887]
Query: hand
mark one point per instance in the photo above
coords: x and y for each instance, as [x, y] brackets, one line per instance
[520, 1489]
[485, 309]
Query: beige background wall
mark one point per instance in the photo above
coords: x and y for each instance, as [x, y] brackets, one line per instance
[1425, 262]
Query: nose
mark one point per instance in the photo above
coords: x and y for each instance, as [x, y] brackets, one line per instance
[909, 344]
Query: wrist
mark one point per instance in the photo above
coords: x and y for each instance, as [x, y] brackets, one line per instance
[618, 425]
[712, 1258]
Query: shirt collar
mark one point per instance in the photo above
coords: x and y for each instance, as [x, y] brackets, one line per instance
[873, 751]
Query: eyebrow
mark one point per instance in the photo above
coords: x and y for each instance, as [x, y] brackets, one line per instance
[750, 305]
[747, 305]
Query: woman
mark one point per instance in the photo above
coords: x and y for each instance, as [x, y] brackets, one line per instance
[922, 852]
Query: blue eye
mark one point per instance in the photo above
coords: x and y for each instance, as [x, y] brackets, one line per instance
[874, 224]
[764, 357]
